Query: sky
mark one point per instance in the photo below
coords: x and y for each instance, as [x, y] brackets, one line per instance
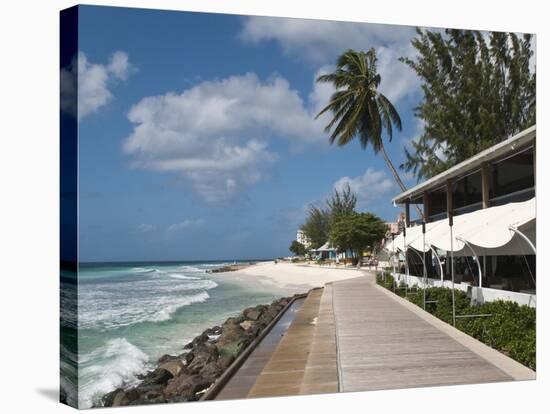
[197, 137]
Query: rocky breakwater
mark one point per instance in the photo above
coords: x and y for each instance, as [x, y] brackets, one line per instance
[230, 268]
[185, 377]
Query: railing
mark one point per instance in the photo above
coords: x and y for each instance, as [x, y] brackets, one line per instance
[477, 294]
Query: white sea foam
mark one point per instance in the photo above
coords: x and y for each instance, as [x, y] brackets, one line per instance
[183, 277]
[128, 311]
[190, 269]
[120, 364]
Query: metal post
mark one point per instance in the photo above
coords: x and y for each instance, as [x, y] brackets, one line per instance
[425, 278]
[406, 260]
[438, 261]
[476, 258]
[524, 237]
[394, 255]
[452, 269]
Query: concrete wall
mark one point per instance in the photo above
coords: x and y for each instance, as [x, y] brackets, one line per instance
[477, 294]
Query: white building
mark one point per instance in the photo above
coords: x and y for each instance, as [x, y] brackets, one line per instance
[302, 238]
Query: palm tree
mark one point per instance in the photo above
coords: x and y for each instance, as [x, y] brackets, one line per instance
[358, 108]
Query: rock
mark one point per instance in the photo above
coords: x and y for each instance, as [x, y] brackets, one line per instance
[125, 397]
[198, 340]
[253, 313]
[174, 367]
[185, 387]
[158, 376]
[167, 358]
[109, 398]
[232, 340]
[149, 394]
[225, 360]
[211, 371]
[246, 325]
[233, 321]
[215, 330]
[203, 355]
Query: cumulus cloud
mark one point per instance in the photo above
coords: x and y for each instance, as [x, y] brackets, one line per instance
[95, 82]
[185, 224]
[216, 133]
[369, 187]
[320, 42]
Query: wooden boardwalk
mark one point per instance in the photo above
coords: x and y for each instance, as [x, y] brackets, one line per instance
[354, 335]
[244, 379]
[305, 360]
[383, 345]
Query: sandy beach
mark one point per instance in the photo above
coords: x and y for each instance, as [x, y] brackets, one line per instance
[295, 277]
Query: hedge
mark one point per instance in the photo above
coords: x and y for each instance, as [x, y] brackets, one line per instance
[511, 329]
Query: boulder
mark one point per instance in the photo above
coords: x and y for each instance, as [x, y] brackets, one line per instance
[225, 360]
[109, 398]
[184, 387]
[215, 330]
[174, 367]
[211, 371]
[158, 376]
[149, 394]
[246, 325]
[198, 340]
[125, 397]
[202, 355]
[254, 313]
[167, 358]
[232, 340]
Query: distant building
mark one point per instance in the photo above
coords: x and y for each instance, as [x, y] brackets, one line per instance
[302, 238]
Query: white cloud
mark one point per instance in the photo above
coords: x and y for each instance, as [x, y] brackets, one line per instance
[216, 133]
[320, 42]
[185, 224]
[95, 82]
[371, 186]
[145, 228]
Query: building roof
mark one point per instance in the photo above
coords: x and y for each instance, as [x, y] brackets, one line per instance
[496, 151]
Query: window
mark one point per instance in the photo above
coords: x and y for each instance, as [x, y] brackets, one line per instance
[438, 203]
[467, 191]
[512, 175]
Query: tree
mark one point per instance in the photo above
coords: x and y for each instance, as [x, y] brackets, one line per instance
[317, 225]
[478, 90]
[297, 248]
[342, 202]
[357, 232]
[358, 108]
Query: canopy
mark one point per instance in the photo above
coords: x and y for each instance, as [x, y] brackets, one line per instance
[325, 248]
[486, 231]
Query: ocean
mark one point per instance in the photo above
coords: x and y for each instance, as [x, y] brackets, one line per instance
[130, 314]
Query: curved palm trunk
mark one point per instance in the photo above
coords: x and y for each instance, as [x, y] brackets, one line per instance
[397, 177]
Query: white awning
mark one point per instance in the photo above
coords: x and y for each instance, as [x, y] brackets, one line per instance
[325, 248]
[487, 231]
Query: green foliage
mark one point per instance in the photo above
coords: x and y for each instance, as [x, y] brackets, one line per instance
[359, 109]
[297, 248]
[317, 226]
[478, 90]
[342, 203]
[319, 220]
[356, 231]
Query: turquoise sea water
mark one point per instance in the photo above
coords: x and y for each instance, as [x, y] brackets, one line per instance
[129, 314]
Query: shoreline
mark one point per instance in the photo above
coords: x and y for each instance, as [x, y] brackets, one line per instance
[295, 277]
[188, 375]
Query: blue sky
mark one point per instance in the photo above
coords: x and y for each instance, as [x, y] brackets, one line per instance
[196, 131]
